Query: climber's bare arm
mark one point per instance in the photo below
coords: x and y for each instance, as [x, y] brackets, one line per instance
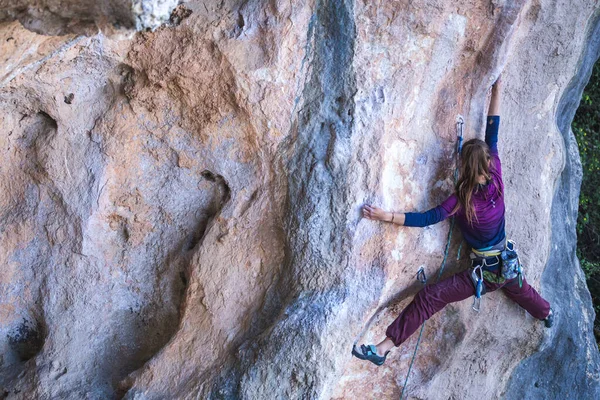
[495, 100]
[378, 214]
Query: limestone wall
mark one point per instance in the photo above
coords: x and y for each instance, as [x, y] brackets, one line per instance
[180, 209]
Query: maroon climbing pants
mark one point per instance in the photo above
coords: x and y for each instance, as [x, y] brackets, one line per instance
[432, 298]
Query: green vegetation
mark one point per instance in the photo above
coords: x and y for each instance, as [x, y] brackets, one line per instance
[586, 126]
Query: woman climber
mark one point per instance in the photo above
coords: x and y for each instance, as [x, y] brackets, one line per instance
[478, 206]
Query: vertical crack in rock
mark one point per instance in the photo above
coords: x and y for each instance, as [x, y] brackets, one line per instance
[293, 326]
[543, 375]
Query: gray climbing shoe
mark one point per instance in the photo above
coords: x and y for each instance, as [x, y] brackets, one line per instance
[368, 353]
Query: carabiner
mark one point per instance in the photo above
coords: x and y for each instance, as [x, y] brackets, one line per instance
[478, 288]
[421, 277]
[459, 133]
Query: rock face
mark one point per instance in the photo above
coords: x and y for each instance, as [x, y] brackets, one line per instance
[180, 209]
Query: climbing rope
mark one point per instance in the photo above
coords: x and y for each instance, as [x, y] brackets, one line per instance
[421, 273]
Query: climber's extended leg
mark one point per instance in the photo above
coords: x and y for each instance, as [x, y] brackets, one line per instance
[428, 301]
[528, 298]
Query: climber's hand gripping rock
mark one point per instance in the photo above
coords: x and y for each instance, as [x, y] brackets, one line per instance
[378, 214]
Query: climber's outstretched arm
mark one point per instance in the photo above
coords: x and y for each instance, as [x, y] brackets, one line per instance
[423, 219]
[495, 100]
[493, 120]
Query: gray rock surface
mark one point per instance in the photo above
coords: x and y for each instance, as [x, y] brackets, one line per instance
[180, 208]
[566, 351]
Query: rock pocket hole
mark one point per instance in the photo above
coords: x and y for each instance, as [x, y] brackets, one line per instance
[27, 339]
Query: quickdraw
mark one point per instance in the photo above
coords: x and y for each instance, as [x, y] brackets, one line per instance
[460, 122]
[421, 277]
[478, 287]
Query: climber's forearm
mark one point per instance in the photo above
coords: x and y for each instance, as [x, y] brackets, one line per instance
[379, 214]
[395, 218]
[496, 98]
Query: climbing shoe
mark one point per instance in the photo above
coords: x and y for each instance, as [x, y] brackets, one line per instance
[368, 353]
[549, 319]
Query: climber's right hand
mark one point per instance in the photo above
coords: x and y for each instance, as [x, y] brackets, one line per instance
[495, 99]
[498, 84]
[376, 213]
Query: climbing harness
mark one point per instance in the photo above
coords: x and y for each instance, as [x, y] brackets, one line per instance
[421, 272]
[495, 264]
[500, 263]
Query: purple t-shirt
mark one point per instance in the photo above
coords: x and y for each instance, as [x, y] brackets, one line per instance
[488, 200]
